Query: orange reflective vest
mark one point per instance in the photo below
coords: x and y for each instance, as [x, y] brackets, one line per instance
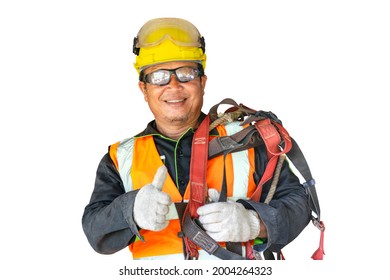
[137, 160]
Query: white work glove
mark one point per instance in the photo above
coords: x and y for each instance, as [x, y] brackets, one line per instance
[151, 205]
[228, 221]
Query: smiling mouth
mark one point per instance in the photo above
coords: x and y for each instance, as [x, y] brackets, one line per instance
[175, 101]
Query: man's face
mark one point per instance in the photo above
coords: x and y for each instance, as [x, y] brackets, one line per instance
[178, 104]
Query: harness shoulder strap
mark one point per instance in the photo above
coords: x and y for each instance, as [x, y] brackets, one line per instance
[198, 187]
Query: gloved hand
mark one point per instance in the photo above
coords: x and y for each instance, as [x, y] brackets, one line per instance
[228, 221]
[151, 205]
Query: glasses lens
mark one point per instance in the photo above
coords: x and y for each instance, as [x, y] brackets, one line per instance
[179, 31]
[186, 74]
[159, 77]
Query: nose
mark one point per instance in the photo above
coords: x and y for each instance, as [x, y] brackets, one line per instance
[174, 82]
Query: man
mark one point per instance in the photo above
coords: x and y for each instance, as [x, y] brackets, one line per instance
[142, 180]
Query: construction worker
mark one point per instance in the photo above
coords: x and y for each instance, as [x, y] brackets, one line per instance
[142, 182]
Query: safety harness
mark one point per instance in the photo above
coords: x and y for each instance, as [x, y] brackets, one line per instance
[262, 128]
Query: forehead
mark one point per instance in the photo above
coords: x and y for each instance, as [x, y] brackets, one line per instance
[170, 65]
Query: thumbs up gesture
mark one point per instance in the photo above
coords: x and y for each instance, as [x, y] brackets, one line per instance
[151, 204]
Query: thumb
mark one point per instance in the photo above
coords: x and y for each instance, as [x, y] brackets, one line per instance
[159, 177]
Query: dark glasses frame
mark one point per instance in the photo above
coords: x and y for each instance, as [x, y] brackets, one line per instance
[199, 72]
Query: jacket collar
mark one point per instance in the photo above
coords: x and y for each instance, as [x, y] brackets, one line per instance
[151, 128]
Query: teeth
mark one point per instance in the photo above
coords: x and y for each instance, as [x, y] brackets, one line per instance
[175, 101]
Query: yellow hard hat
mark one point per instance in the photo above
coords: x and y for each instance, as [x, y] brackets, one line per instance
[168, 39]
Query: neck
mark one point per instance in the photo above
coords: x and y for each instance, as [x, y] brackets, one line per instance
[174, 134]
[174, 130]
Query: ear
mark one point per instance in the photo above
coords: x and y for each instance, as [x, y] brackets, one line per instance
[142, 87]
[203, 81]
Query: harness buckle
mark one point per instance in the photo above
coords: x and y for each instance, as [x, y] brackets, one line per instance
[318, 224]
[257, 255]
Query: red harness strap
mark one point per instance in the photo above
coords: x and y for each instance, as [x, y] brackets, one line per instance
[272, 139]
[199, 156]
[193, 235]
[198, 185]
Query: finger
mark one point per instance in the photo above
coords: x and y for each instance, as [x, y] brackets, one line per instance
[159, 177]
[211, 208]
[163, 198]
[158, 227]
[213, 195]
[162, 209]
[214, 227]
[160, 219]
[217, 236]
[215, 217]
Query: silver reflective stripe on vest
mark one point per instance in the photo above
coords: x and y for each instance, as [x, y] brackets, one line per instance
[241, 166]
[124, 156]
[125, 159]
[172, 214]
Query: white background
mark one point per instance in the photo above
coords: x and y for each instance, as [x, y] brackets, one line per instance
[68, 90]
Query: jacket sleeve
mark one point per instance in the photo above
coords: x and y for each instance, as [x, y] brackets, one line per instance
[288, 213]
[108, 219]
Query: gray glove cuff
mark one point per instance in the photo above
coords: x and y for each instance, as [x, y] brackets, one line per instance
[127, 210]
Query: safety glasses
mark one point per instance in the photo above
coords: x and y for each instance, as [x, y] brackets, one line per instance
[179, 31]
[162, 77]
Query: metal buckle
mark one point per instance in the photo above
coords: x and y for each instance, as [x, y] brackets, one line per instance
[318, 224]
[258, 255]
